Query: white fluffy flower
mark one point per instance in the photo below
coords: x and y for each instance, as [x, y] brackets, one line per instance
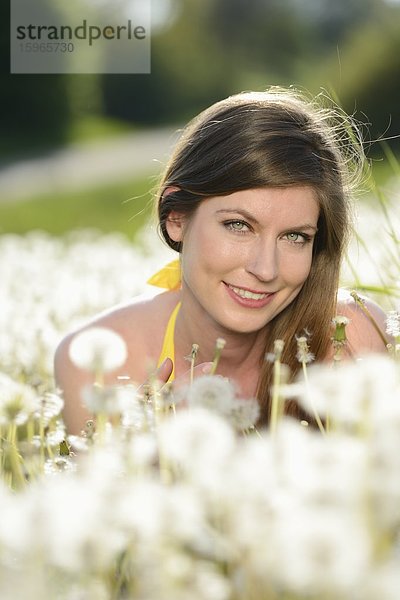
[17, 401]
[362, 392]
[303, 352]
[142, 452]
[74, 519]
[213, 393]
[59, 464]
[324, 552]
[384, 479]
[244, 413]
[196, 439]
[51, 406]
[98, 349]
[326, 471]
[109, 400]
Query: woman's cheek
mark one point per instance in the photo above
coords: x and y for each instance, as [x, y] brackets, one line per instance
[297, 272]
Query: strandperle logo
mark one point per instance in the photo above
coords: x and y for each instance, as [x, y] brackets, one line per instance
[80, 36]
[85, 31]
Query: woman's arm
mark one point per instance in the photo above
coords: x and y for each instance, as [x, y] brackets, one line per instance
[366, 330]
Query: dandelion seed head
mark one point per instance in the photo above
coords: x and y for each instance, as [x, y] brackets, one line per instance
[74, 523]
[212, 392]
[196, 439]
[303, 352]
[51, 406]
[220, 343]
[59, 464]
[54, 438]
[276, 354]
[78, 443]
[17, 401]
[365, 389]
[109, 400]
[244, 413]
[316, 550]
[143, 450]
[98, 349]
[270, 357]
[278, 348]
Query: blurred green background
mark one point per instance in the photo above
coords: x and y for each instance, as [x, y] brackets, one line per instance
[85, 150]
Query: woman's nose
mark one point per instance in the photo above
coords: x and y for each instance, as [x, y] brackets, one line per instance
[263, 261]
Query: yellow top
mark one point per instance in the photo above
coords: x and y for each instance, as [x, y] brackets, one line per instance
[168, 347]
[169, 277]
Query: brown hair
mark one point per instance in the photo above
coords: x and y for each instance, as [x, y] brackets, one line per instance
[276, 138]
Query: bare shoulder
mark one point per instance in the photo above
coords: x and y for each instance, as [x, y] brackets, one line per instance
[140, 322]
[367, 323]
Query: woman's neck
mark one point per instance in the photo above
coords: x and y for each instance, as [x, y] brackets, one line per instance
[241, 356]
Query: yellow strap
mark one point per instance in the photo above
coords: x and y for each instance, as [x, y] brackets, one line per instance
[169, 277]
[168, 348]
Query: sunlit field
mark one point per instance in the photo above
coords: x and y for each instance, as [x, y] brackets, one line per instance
[156, 501]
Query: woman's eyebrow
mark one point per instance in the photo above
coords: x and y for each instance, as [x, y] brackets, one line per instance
[251, 218]
[303, 227]
[239, 211]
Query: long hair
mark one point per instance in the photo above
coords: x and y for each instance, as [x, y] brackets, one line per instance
[276, 138]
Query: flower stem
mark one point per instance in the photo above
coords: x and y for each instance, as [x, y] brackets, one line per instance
[192, 358]
[315, 413]
[17, 475]
[219, 346]
[275, 396]
[276, 403]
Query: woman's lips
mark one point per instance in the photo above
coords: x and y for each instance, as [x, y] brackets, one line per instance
[249, 298]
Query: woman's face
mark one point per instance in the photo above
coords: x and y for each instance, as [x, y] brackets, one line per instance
[245, 256]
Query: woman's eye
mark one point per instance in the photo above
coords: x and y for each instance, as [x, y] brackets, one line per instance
[297, 238]
[239, 226]
[293, 237]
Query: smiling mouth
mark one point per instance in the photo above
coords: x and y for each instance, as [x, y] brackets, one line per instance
[247, 294]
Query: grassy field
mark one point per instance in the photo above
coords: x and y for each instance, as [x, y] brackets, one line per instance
[123, 207]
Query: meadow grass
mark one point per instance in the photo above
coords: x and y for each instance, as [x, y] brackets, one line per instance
[92, 128]
[122, 207]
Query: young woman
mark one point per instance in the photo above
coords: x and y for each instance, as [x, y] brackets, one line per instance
[255, 200]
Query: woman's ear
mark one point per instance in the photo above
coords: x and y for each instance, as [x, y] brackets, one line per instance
[175, 225]
[169, 190]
